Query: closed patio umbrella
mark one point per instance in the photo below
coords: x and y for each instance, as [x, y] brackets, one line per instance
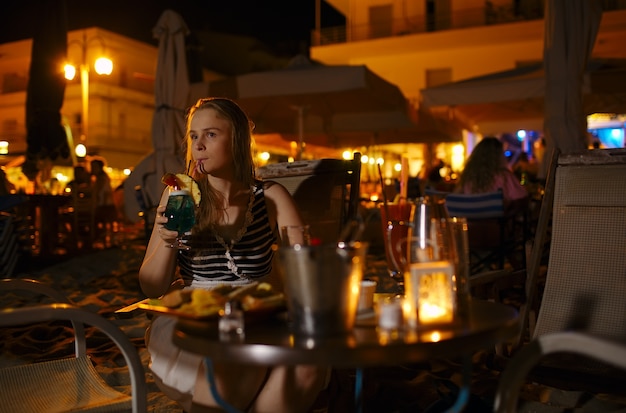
[171, 93]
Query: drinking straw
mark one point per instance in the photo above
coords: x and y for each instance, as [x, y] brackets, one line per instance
[382, 188]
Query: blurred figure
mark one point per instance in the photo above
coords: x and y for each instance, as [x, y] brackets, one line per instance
[8, 198]
[81, 181]
[486, 170]
[106, 213]
[525, 169]
[438, 179]
[6, 187]
[434, 175]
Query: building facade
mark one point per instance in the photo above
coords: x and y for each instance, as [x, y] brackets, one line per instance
[120, 105]
[423, 43]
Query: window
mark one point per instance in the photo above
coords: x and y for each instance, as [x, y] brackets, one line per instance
[381, 18]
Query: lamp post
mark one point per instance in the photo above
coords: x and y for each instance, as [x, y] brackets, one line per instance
[102, 65]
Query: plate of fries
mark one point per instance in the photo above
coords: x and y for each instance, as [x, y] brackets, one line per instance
[257, 300]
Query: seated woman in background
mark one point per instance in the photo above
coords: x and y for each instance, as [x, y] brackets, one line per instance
[486, 170]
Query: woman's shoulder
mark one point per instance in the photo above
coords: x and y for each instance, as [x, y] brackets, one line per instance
[272, 189]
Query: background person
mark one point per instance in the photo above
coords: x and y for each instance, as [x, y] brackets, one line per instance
[487, 170]
[233, 204]
[81, 181]
[106, 213]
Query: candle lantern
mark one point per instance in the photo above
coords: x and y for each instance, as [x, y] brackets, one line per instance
[430, 293]
[430, 285]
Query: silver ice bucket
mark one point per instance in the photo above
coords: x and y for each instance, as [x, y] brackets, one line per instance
[322, 285]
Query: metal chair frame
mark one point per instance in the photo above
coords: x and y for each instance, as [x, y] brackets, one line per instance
[585, 283]
[62, 309]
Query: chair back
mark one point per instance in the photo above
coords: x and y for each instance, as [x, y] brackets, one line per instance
[486, 227]
[476, 206]
[326, 191]
[578, 341]
[586, 275]
[65, 383]
[84, 218]
[9, 244]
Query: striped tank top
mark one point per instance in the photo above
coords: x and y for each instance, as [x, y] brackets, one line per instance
[212, 261]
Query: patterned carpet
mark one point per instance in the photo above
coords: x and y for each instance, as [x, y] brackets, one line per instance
[106, 280]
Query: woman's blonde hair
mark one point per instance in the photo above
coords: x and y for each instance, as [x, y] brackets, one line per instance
[241, 147]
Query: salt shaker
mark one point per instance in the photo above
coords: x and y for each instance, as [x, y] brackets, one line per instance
[390, 319]
[231, 323]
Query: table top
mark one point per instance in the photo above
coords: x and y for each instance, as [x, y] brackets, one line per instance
[269, 342]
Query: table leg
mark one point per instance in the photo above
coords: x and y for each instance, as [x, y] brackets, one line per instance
[358, 390]
[464, 391]
[210, 376]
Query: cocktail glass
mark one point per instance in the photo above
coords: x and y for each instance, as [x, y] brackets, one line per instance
[181, 216]
[395, 220]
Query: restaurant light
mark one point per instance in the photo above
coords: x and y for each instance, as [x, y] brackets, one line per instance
[80, 150]
[70, 71]
[4, 147]
[458, 157]
[103, 66]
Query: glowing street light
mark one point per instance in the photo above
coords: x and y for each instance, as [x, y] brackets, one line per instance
[80, 151]
[102, 66]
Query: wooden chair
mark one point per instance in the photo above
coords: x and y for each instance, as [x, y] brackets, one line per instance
[65, 384]
[325, 190]
[585, 282]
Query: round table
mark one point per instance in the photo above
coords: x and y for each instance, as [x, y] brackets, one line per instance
[269, 342]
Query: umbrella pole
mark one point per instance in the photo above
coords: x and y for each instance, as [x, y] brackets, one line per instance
[300, 110]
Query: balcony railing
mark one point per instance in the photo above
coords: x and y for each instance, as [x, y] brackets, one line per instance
[484, 16]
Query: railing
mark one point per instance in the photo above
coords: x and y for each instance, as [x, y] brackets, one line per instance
[484, 16]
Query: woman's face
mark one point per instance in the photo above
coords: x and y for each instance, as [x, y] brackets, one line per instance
[210, 139]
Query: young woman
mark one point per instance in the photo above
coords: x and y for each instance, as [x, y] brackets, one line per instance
[236, 226]
[486, 170]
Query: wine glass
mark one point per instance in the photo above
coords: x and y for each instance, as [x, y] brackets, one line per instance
[181, 216]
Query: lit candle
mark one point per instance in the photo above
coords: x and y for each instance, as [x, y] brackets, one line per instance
[430, 293]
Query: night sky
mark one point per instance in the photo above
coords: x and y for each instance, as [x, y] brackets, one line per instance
[283, 25]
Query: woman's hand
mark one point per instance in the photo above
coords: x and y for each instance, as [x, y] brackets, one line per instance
[159, 224]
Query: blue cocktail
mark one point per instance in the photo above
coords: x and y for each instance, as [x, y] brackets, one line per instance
[181, 215]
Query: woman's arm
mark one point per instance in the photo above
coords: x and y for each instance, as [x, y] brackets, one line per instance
[282, 209]
[157, 270]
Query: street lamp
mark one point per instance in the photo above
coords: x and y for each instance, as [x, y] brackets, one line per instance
[102, 65]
